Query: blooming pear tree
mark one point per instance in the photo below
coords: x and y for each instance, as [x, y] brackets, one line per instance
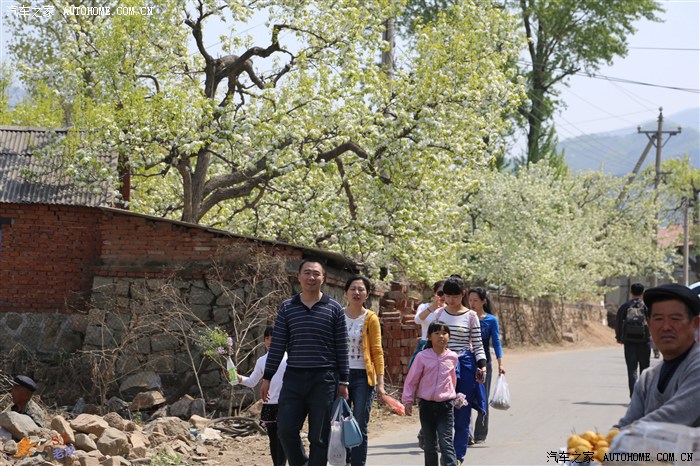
[540, 234]
[298, 136]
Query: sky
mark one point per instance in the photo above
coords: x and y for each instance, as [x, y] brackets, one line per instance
[662, 55]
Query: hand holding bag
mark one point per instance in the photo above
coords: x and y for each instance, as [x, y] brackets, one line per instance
[336, 449]
[352, 435]
[501, 394]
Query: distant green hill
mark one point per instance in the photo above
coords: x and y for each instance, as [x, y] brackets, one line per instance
[618, 151]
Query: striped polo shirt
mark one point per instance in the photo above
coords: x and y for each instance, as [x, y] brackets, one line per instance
[314, 338]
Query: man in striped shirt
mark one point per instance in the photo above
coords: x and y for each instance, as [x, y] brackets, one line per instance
[310, 327]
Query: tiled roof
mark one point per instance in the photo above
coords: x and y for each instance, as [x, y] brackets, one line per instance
[29, 179]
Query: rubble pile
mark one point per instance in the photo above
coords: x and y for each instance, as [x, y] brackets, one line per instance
[111, 440]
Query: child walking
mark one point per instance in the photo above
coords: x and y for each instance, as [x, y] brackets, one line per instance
[268, 415]
[432, 378]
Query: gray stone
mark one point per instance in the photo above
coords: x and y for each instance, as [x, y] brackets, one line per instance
[139, 444]
[222, 315]
[199, 422]
[19, 425]
[115, 420]
[211, 379]
[114, 461]
[118, 322]
[100, 337]
[169, 427]
[146, 400]
[116, 405]
[227, 298]
[69, 341]
[84, 442]
[164, 343]
[113, 442]
[201, 295]
[201, 312]
[197, 408]
[13, 320]
[182, 364]
[89, 424]
[162, 363]
[181, 408]
[127, 364]
[96, 316]
[139, 382]
[10, 447]
[60, 425]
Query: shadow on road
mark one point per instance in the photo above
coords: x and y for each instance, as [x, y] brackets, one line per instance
[407, 448]
[593, 403]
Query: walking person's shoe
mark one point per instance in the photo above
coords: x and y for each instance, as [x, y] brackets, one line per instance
[471, 440]
[421, 441]
[480, 441]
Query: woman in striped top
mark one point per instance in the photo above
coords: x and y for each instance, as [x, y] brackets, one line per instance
[465, 340]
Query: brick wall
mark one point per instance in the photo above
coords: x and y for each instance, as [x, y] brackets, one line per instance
[47, 256]
[400, 334]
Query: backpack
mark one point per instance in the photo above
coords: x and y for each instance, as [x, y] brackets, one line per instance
[634, 328]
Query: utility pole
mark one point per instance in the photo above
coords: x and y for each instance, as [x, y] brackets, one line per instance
[655, 139]
[686, 242]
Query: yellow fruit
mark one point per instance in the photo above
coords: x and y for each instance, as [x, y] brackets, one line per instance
[586, 444]
[612, 434]
[601, 444]
[590, 436]
[583, 448]
[573, 441]
[600, 453]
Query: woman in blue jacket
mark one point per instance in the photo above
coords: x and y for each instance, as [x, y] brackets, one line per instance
[479, 302]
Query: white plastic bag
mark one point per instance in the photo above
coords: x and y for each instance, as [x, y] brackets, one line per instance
[336, 449]
[501, 395]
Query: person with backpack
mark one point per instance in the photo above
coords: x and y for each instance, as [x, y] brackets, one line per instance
[632, 331]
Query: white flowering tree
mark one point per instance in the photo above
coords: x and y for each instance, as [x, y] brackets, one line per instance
[539, 233]
[300, 136]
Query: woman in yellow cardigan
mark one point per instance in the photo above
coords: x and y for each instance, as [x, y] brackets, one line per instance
[366, 359]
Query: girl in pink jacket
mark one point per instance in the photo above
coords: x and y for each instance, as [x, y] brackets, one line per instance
[432, 379]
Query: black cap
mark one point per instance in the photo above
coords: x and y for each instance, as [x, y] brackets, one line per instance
[673, 291]
[24, 381]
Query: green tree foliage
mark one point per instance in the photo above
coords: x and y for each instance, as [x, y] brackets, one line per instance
[298, 137]
[563, 38]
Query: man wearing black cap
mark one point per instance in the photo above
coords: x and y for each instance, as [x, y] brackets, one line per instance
[23, 388]
[669, 391]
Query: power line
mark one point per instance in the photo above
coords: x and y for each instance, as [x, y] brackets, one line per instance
[677, 49]
[621, 80]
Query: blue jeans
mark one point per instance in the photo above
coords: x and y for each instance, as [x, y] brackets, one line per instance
[436, 422]
[306, 392]
[360, 400]
[476, 397]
